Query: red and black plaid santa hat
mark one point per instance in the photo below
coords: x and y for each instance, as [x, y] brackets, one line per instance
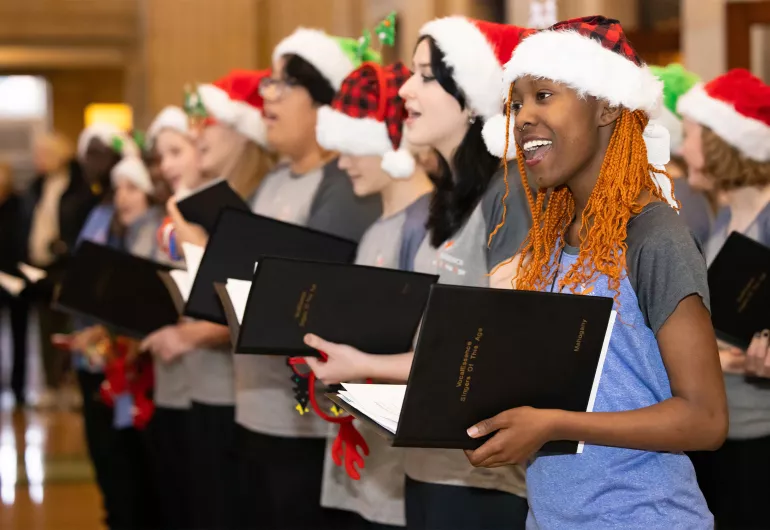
[736, 106]
[476, 51]
[367, 117]
[234, 100]
[593, 56]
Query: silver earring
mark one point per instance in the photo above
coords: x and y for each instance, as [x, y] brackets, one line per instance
[472, 119]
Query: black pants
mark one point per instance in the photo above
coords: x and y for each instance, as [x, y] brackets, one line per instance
[214, 464]
[18, 309]
[279, 484]
[440, 507]
[168, 436]
[55, 361]
[736, 483]
[121, 462]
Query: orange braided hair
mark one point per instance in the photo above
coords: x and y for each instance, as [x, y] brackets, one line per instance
[623, 188]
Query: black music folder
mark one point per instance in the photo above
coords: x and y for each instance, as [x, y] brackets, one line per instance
[202, 205]
[239, 240]
[483, 351]
[117, 289]
[739, 290]
[374, 309]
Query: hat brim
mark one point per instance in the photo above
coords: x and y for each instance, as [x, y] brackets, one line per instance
[244, 118]
[336, 131]
[475, 67]
[749, 136]
[586, 66]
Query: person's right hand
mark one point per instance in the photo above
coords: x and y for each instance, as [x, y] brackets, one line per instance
[344, 363]
[88, 338]
[186, 232]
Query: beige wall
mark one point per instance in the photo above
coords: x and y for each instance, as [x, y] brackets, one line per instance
[704, 40]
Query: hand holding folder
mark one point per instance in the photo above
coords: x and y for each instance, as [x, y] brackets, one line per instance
[473, 361]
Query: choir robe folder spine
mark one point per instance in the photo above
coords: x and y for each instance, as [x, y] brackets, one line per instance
[374, 309]
[483, 351]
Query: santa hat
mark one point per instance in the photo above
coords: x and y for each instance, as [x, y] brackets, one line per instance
[593, 56]
[676, 82]
[736, 106]
[171, 118]
[334, 57]
[367, 117]
[133, 170]
[110, 136]
[476, 51]
[234, 100]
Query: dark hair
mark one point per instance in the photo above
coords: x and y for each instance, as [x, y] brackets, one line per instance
[461, 183]
[307, 76]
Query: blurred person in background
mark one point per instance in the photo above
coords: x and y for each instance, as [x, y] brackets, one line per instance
[696, 205]
[226, 141]
[11, 252]
[53, 211]
[119, 451]
[727, 147]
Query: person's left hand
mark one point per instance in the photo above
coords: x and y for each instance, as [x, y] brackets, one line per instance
[757, 358]
[168, 343]
[521, 432]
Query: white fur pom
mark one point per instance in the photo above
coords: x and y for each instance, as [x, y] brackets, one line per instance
[658, 142]
[398, 164]
[494, 137]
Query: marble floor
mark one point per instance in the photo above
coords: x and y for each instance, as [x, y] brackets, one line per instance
[46, 480]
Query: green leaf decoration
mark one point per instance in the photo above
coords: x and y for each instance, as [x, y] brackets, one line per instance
[140, 139]
[193, 105]
[117, 144]
[364, 43]
[386, 30]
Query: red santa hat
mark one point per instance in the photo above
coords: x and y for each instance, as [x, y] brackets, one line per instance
[593, 56]
[367, 117]
[234, 100]
[736, 106]
[171, 118]
[476, 51]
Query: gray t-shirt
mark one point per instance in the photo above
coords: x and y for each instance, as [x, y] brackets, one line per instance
[696, 210]
[211, 376]
[379, 495]
[466, 259]
[172, 384]
[749, 405]
[322, 199]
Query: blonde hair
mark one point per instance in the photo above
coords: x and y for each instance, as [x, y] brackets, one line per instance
[252, 165]
[727, 167]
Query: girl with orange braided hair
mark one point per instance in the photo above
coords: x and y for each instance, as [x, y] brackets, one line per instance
[605, 224]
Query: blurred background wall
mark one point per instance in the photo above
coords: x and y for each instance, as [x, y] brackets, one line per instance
[142, 52]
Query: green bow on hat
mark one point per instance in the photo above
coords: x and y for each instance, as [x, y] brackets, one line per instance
[361, 51]
[193, 105]
[676, 82]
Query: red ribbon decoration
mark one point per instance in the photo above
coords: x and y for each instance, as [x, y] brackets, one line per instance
[349, 443]
[137, 377]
